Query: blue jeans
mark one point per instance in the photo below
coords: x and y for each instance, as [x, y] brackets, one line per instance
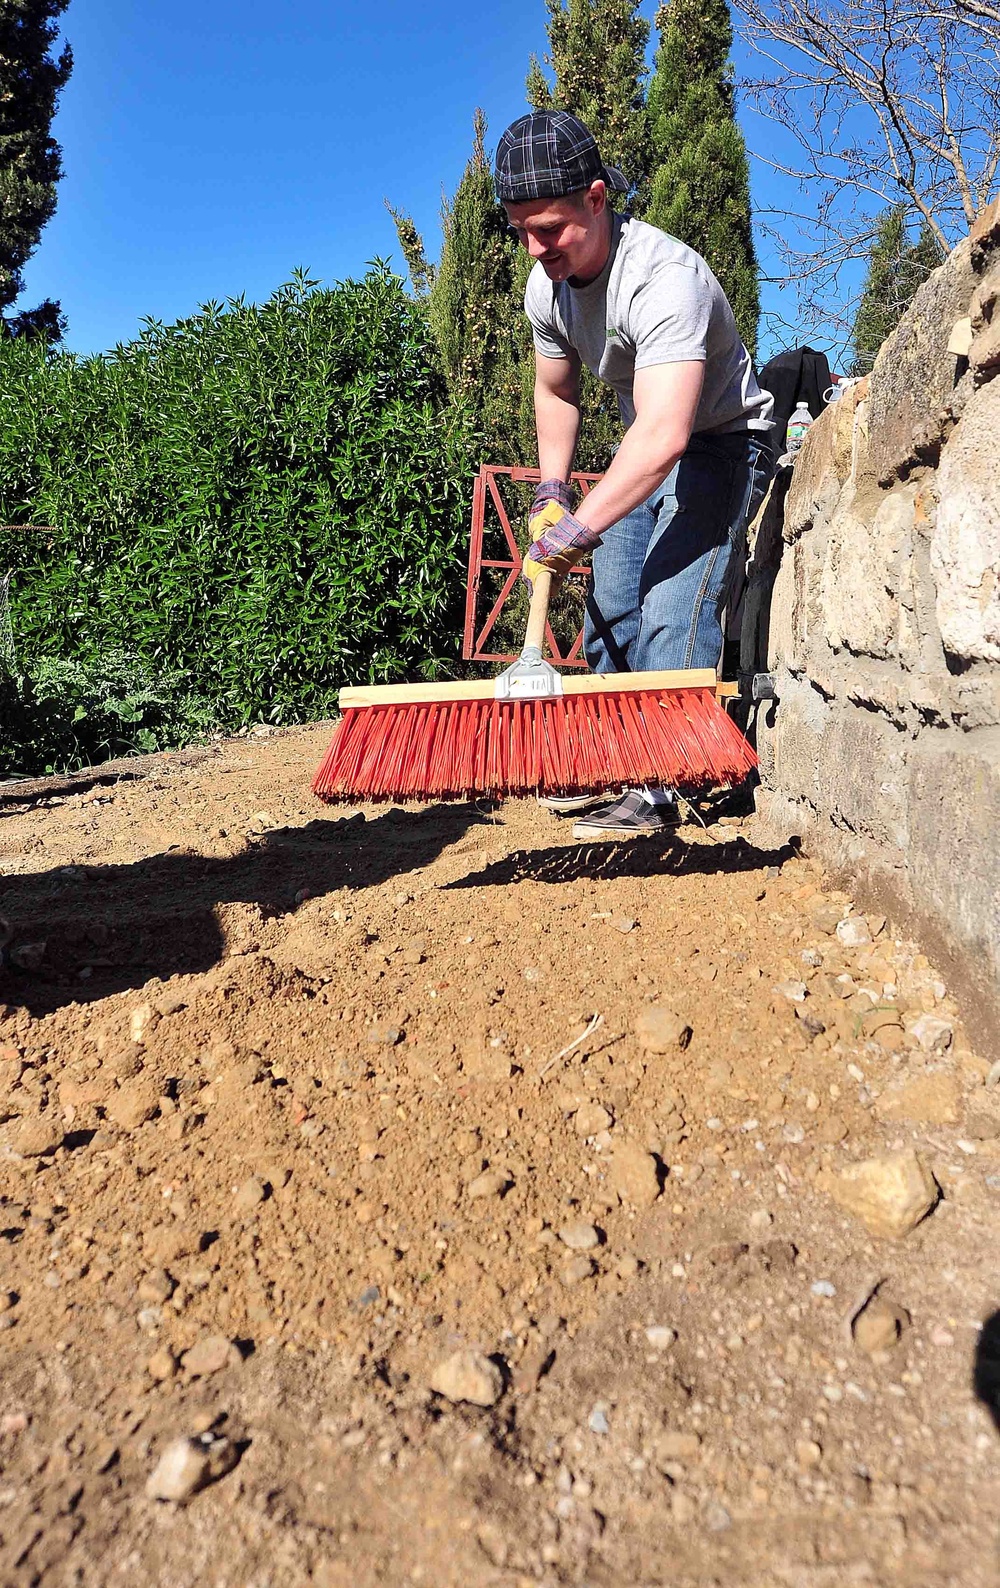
[659, 576]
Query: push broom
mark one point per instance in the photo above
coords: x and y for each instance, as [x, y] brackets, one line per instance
[532, 731]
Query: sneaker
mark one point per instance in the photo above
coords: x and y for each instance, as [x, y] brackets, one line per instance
[566, 804]
[630, 816]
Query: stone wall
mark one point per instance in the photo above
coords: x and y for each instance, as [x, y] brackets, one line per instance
[883, 752]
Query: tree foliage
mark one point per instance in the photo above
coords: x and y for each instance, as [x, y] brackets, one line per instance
[896, 103]
[476, 310]
[597, 51]
[31, 81]
[896, 268]
[700, 188]
[269, 500]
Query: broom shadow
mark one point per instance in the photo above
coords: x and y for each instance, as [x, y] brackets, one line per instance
[636, 857]
[160, 916]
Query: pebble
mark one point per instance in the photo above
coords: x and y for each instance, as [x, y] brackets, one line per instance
[717, 1518]
[591, 1119]
[210, 1355]
[993, 1076]
[468, 1376]
[157, 1286]
[597, 1422]
[579, 1236]
[890, 1194]
[634, 1175]
[761, 1219]
[794, 991]
[660, 1336]
[187, 1465]
[133, 1104]
[825, 915]
[162, 1366]
[384, 1036]
[853, 932]
[823, 1287]
[577, 1271]
[492, 1183]
[37, 1138]
[144, 1020]
[250, 1194]
[662, 1031]
[933, 1034]
[808, 1453]
[878, 1326]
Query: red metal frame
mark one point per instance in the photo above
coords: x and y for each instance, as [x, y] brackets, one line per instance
[487, 492]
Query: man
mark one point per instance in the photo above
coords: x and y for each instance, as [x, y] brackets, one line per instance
[644, 313]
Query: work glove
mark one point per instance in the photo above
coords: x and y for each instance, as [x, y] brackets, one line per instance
[561, 541]
[549, 491]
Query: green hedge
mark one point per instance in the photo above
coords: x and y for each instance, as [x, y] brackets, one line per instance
[266, 501]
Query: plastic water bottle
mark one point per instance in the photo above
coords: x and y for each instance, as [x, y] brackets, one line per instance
[798, 424]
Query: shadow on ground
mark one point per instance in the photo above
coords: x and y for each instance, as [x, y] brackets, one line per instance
[986, 1370]
[166, 914]
[636, 857]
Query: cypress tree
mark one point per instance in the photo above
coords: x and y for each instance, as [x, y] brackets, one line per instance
[896, 268]
[476, 309]
[411, 246]
[597, 50]
[31, 81]
[701, 181]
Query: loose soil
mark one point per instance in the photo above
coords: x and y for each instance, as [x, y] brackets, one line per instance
[312, 1093]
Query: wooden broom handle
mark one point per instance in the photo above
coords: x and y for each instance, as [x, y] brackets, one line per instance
[538, 611]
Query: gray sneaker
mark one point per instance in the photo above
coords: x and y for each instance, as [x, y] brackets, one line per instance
[630, 816]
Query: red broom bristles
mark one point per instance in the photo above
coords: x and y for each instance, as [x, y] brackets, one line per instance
[571, 744]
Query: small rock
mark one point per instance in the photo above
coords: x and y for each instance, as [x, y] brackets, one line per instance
[133, 1104]
[591, 1119]
[37, 1138]
[825, 915]
[468, 1376]
[162, 1366]
[853, 932]
[675, 1446]
[933, 1034]
[808, 1453]
[157, 1286]
[890, 1195]
[597, 1422]
[635, 1175]
[823, 1287]
[492, 1183]
[878, 1326]
[383, 1035]
[144, 1020]
[717, 1518]
[794, 991]
[661, 1031]
[761, 1219]
[209, 1355]
[187, 1465]
[577, 1271]
[993, 1076]
[29, 956]
[250, 1194]
[579, 1236]
[660, 1337]
[623, 923]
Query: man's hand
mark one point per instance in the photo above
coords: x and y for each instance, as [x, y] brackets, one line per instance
[548, 491]
[562, 541]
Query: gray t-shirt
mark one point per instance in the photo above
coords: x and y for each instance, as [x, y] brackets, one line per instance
[655, 302]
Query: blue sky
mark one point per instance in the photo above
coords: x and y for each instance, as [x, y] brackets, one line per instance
[211, 147]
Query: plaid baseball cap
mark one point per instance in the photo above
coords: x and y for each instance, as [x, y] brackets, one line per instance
[548, 154]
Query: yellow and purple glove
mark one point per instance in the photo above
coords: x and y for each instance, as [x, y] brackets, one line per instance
[561, 541]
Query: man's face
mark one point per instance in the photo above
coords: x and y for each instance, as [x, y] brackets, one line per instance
[568, 235]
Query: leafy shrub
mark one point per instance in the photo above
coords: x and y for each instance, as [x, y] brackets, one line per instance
[62, 715]
[268, 499]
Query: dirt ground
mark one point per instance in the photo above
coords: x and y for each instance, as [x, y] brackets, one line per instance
[300, 1103]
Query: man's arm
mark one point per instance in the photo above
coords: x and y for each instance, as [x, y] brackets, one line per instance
[666, 398]
[557, 414]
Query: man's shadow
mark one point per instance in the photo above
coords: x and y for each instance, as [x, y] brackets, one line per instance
[986, 1369]
[122, 925]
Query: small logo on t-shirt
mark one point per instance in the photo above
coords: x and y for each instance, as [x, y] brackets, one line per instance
[612, 333]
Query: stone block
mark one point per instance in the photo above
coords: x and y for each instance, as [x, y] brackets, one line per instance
[861, 779]
[985, 234]
[954, 857]
[914, 373]
[792, 745]
[965, 544]
[824, 463]
[984, 299]
[862, 573]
